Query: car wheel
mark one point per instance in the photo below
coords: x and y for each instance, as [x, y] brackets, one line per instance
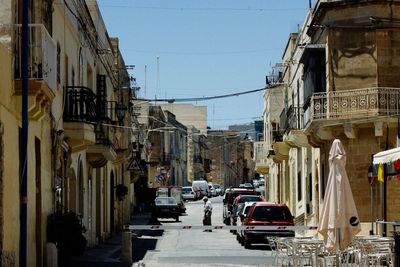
[246, 243]
[177, 219]
[241, 240]
[237, 237]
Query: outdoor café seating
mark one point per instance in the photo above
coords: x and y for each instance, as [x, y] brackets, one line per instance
[310, 251]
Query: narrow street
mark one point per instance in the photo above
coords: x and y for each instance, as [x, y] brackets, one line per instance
[198, 248]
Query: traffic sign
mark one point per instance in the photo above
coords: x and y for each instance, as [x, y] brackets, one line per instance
[134, 165]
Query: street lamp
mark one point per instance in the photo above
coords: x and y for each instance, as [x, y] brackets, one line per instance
[120, 110]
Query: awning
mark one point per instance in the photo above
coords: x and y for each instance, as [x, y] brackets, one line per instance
[387, 156]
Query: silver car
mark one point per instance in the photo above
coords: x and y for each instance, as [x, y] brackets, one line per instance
[188, 193]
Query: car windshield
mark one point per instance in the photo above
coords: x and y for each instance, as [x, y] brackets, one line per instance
[231, 197]
[186, 190]
[271, 213]
[216, 186]
[165, 201]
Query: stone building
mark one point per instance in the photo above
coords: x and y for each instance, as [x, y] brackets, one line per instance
[231, 158]
[339, 81]
[78, 137]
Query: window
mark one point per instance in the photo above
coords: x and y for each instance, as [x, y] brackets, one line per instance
[271, 213]
[73, 77]
[299, 187]
[58, 63]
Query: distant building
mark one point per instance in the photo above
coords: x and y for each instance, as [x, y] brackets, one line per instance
[231, 158]
[189, 115]
[253, 130]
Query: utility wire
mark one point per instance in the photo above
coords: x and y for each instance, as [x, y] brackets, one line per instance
[193, 99]
[199, 53]
[252, 9]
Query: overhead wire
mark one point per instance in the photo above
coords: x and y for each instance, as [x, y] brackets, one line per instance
[252, 9]
[204, 98]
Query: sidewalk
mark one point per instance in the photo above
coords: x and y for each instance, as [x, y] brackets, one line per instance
[108, 253]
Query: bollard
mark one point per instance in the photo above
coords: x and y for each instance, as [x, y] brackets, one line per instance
[126, 253]
[396, 236]
[51, 255]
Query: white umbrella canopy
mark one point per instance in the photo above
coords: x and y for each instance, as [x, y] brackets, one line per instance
[339, 222]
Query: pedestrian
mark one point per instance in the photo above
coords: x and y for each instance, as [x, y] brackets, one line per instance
[207, 212]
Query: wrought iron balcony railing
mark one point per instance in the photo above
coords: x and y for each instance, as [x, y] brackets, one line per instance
[295, 118]
[80, 105]
[354, 104]
[42, 55]
[260, 152]
[283, 123]
[277, 136]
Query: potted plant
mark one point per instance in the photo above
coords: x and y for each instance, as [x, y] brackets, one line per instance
[66, 231]
[121, 191]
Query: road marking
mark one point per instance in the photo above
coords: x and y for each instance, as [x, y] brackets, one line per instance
[219, 227]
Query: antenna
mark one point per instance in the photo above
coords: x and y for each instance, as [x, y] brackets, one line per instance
[309, 4]
[158, 74]
[145, 80]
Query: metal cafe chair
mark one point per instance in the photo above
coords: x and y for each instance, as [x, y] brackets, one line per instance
[376, 252]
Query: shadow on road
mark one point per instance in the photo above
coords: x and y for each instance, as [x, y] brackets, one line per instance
[140, 246]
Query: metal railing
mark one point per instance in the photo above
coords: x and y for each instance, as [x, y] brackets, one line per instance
[261, 150]
[283, 122]
[80, 105]
[358, 103]
[295, 118]
[42, 55]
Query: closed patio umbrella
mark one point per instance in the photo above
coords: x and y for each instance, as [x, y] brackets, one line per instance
[339, 222]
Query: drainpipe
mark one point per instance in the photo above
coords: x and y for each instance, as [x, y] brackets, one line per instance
[24, 148]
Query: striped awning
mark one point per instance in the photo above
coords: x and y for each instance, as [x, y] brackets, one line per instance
[387, 156]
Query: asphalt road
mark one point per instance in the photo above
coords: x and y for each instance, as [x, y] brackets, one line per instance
[198, 248]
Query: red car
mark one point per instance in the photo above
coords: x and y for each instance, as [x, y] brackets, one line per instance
[266, 214]
[242, 199]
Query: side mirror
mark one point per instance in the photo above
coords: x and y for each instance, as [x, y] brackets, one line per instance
[242, 217]
[224, 201]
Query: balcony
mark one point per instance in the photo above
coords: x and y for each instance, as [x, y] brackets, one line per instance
[42, 69]
[277, 136]
[261, 151]
[295, 118]
[352, 105]
[80, 116]
[104, 148]
[80, 105]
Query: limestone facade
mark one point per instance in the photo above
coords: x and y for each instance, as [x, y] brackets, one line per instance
[78, 145]
[338, 82]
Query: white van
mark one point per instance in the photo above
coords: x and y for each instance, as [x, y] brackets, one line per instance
[201, 186]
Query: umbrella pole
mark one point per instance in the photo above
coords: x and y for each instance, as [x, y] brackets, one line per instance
[337, 259]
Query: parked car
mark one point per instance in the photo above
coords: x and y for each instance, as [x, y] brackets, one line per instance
[165, 207]
[239, 200]
[230, 195]
[188, 193]
[201, 186]
[268, 214]
[218, 189]
[212, 191]
[242, 213]
[256, 183]
[175, 192]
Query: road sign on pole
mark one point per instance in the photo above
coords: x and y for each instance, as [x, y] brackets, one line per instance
[134, 165]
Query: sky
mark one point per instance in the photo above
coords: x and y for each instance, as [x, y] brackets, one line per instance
[202, 48]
